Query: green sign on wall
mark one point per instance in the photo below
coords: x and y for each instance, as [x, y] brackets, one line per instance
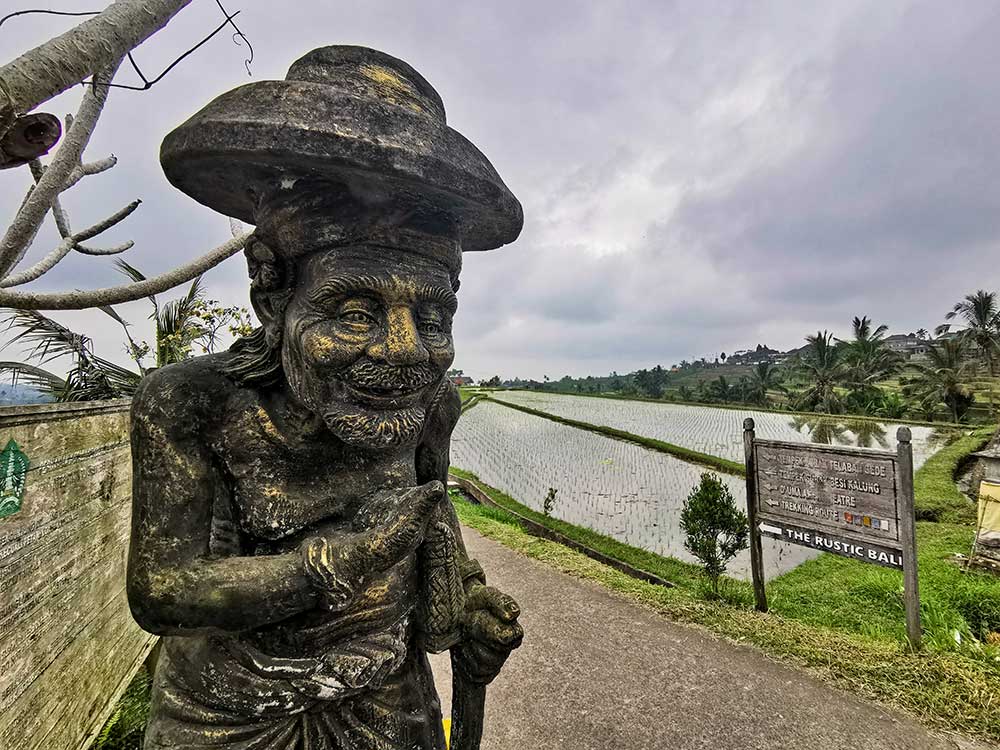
[13, 473]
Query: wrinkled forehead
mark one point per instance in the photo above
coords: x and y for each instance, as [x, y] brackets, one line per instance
[380, 270]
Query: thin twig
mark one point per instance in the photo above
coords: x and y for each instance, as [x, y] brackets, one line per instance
[65, 247]
[48, 13]
[89, 168]
[59, 213]
[149, 83]
[237, 36]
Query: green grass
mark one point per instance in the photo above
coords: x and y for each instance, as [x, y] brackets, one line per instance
[675, 571]
[935, 495]
[837, 617]
[692, 456]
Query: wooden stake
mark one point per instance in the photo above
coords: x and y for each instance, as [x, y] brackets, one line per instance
[756, 553]
[908, 535]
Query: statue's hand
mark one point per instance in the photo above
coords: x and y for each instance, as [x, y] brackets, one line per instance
[338, 566]
[491, 632]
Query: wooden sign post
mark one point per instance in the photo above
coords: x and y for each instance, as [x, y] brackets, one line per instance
[853, 502]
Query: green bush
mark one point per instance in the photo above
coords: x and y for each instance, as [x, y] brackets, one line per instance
[716, 530]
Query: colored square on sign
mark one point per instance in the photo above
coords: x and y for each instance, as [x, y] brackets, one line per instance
[876, 524]
[849, 517]
[867, 521]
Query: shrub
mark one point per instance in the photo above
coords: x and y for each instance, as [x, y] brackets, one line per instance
[716, 530]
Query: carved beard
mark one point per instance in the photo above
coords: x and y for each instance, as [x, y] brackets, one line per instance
[364, 424]
[375, 429]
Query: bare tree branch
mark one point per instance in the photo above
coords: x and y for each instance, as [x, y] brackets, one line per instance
[59, 214]
[79, 300]
[96, 44]
[29, 217]
[85, 170]
[68, 244]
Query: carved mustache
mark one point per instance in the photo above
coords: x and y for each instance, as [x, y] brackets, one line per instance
[369, 375]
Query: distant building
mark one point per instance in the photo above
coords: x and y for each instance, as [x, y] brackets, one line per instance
[461, 380]
[907, 345]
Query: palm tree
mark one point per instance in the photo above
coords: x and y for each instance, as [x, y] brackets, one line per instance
[764, 377]
[981, 316]
[90, 377]
[868, 361]
[943, 378]
[822, 367]
[179, 325]
[720, 389]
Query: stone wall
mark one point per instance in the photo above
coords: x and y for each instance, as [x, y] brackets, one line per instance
[68, 645]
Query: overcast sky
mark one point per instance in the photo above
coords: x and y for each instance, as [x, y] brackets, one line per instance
[696, 177]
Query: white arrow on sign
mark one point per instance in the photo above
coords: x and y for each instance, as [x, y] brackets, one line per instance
[770, 529]
[771, 503]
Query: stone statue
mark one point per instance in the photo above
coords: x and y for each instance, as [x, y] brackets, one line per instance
[292, 539]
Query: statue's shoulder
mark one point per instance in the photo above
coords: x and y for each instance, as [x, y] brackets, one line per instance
[187, 395]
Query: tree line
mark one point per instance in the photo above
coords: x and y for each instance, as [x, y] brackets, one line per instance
[859, 375]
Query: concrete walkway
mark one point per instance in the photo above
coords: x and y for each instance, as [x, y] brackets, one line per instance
[598, 672]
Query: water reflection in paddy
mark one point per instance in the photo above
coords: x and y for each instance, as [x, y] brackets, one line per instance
[719, 432]
[619, 489]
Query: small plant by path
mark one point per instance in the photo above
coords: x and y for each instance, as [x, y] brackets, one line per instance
[716, 530]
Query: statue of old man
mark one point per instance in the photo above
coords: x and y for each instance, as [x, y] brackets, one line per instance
[292, 539]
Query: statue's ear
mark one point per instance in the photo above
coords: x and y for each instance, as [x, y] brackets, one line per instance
[271, 281]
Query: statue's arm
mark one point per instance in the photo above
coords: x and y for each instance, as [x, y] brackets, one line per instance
[174, 585]
[433, 460]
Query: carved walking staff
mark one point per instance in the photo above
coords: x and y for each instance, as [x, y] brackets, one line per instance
[292, 538]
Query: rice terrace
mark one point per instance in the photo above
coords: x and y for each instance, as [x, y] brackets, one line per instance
[623, 490]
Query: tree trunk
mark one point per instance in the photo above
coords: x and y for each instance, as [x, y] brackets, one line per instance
[96, 44]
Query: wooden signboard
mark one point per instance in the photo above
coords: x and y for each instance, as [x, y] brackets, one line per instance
[852, 502]
[68, 643]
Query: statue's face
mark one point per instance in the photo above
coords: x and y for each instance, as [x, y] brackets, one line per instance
[367, 341]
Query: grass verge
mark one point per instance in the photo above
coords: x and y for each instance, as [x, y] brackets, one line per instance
[696, 457]
[935, 495]
[839, 617]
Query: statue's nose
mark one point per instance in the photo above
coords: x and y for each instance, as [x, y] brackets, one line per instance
[402, 345]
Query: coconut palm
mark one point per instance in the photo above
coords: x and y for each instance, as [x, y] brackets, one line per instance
[764, 377]
[720, 389]
[90, 377]
[179, 325]
[822, 366]
[981, 317]
[868, 361]
[942, 379]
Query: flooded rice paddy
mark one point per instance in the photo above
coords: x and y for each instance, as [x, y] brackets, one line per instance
[618, 489]
[719, 432]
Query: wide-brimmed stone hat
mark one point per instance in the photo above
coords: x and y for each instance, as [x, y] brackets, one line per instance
[358, 122]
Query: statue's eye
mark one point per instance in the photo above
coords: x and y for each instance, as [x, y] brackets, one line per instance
[430, 327]
[358, 317]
